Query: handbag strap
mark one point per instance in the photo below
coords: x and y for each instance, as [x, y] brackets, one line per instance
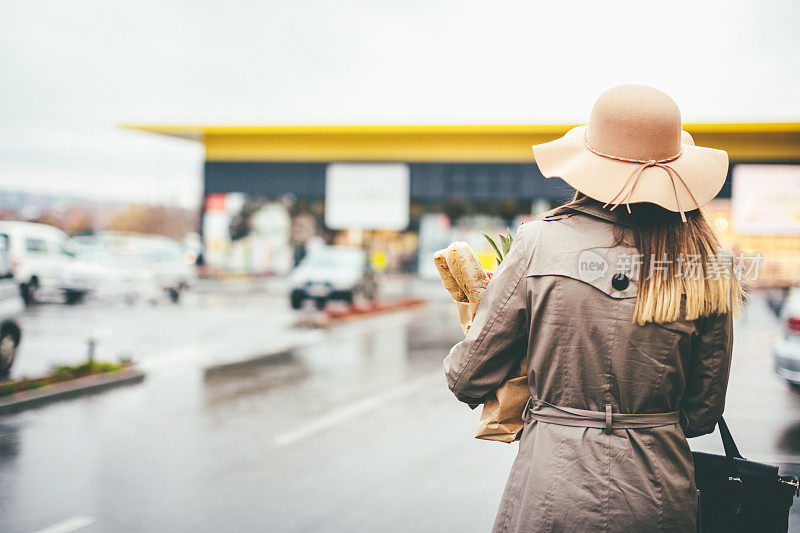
[727, 440]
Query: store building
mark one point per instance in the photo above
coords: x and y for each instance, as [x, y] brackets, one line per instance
[457, 171]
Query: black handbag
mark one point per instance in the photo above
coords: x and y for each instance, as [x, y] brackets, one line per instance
[740, 495]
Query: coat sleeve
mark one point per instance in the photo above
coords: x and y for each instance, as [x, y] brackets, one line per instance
[707, 380]
[497, 339]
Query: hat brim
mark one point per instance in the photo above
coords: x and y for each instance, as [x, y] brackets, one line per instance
[702, 169]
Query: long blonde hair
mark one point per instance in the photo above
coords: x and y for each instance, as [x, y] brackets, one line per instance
[711, 287]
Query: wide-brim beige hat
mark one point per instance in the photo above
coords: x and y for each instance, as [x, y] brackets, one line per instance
[633, 150]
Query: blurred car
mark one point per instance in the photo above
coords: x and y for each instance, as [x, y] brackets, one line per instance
[11, 306]
[166, 262]
[41, 262]
[786, 350]
[332, 273]
[113, 277]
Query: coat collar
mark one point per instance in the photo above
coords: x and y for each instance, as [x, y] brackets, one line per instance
[598, 211]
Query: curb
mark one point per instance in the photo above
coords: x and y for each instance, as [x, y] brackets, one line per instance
[69, 389]
[327, 319]
[335, 317]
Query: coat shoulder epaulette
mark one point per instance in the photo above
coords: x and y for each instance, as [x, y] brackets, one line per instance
[558, 216]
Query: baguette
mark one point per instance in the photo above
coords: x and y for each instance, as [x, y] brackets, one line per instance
[467, 270]
[448, 280]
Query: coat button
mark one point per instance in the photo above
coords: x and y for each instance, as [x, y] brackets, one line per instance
[620, 281]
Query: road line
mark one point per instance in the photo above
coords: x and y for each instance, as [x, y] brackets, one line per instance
[357, 409]
[70, 524]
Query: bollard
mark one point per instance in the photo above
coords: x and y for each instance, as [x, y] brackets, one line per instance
[90, 349]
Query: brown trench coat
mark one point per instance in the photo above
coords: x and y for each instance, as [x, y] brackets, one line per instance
[546, 303]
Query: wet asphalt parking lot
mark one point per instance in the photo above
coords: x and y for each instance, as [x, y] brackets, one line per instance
[355, 430]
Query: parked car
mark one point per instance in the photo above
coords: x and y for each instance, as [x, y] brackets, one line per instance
[787, 347]
[11, 306]
[41, 262]
[114, 276]
[332, 273]
[167, 262]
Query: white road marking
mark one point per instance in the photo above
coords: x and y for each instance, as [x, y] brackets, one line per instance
[70, 524]
[357, 409]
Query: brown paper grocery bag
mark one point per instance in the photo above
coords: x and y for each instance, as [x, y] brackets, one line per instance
[501, 418]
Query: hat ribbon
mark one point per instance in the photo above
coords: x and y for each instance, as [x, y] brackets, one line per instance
[634, 177]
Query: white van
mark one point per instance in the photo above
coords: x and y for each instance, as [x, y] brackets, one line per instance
[40, 261]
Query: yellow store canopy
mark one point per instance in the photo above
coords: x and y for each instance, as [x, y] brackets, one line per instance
[778, 141]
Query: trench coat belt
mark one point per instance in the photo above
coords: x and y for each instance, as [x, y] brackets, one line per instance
[608, 421]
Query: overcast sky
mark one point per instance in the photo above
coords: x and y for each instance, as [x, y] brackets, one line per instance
[71, 70]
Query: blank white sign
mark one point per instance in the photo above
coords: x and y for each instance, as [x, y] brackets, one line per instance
[367, 196]
[766, 199]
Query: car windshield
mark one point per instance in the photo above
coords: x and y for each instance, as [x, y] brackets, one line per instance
[160, 254]
[335, 258]
[143, 249]
[93, 255]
